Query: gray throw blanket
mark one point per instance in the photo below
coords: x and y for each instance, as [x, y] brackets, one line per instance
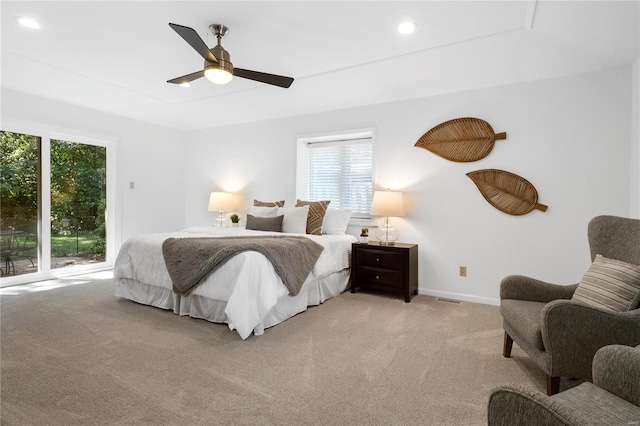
[189, 260]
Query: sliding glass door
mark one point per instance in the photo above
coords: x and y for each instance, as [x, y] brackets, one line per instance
[19, 203]
[78, 203]
[56, 205]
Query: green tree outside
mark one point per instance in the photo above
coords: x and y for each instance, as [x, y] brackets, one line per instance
[78, 191]
[18, 179]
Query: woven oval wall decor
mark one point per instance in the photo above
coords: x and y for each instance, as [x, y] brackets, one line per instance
[462, 139]
[506, 191]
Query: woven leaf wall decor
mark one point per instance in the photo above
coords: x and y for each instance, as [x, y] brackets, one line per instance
[461, 139]
[506, 191]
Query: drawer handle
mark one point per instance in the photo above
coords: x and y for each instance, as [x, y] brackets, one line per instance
[377, 259]
[377, 277]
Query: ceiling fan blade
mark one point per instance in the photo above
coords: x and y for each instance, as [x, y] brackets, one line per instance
[190, 36]
[187, 78]
[276, 80]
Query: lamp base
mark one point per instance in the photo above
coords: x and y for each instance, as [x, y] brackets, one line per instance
[221, 221]
[387, 235]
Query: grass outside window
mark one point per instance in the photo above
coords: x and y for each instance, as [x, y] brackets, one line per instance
[67, 245]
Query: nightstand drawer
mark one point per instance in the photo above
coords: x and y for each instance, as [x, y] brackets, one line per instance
[380, 259]
[380, 277]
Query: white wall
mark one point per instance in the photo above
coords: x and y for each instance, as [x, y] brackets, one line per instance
[150, 156]
[635, 140]
[570, 137]
[575, 139]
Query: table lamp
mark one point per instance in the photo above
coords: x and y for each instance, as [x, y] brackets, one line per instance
[387, 203]
[220, 202]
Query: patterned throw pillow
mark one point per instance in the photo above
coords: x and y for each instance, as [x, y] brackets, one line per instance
[268, 203]
[317, 210]
[610, 284]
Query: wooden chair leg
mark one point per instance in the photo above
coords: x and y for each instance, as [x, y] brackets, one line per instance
[553, 385]
[507, 345]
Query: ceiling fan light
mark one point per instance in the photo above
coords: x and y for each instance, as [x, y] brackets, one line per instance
[217, 75]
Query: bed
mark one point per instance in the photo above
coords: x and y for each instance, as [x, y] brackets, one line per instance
[245, 292]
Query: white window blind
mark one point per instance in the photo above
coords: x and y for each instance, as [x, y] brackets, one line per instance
[340, 171]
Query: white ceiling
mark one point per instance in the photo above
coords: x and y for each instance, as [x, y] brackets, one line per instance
[116, 56]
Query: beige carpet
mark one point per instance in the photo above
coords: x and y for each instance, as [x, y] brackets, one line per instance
[77, 355]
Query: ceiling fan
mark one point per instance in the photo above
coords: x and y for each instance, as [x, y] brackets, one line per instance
[217, 61]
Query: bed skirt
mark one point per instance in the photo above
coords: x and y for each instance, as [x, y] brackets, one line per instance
[312, 293]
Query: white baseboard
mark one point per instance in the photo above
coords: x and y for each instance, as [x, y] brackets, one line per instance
[459, 296]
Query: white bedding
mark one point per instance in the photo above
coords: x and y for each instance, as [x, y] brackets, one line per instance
[245, 292]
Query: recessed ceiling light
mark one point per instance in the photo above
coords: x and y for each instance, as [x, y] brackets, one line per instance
[28, 22]
[185, 84]
[407, 27]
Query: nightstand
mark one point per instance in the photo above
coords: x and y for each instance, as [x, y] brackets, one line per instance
[387, 268]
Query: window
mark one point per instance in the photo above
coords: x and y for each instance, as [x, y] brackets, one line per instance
[337, 167]
[57, 204]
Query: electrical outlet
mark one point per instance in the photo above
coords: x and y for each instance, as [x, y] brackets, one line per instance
[463, 271]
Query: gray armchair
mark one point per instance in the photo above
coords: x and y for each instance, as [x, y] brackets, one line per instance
[561, 335]
[612, 399]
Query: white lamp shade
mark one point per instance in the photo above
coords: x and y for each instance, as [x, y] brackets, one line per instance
[220, 201]
[388, 203]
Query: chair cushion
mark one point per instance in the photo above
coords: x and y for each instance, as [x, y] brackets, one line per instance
[526, 318]
[610, 284]
[596, 406]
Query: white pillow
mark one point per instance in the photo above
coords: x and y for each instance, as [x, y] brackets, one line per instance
[336, 221]
[295, 219]
[259, 211]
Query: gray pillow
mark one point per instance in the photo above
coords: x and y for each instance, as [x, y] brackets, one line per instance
[264, 223]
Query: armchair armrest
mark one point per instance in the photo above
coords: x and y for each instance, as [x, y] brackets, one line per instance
[520, 287]
[616, 369]
[518, 405]
[573, 332]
